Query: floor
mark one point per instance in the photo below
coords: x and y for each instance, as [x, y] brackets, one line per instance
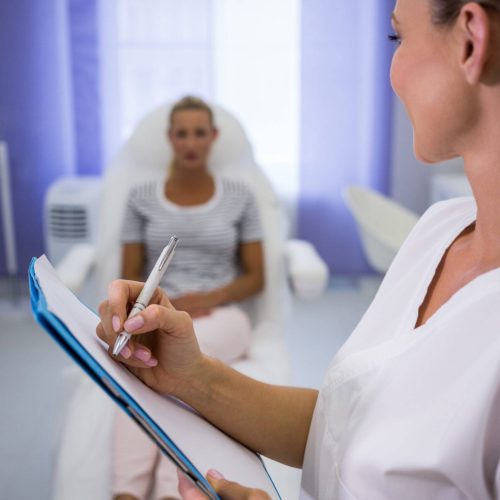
[33, 393]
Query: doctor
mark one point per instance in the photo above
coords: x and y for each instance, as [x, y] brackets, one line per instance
[410, 407]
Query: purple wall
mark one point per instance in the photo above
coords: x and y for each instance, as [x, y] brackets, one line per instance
[49, 105]
[85, 72]
[345, 119]
[35, 111]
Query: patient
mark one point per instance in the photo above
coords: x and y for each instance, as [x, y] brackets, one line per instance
[218, 263]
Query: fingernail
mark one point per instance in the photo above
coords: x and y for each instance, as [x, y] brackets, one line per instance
[215, 474]
[142, 354]
[134, 323]
[115, 321]
[152, 362]
[125, 352]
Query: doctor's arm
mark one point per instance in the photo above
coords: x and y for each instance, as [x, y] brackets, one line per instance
[272, 420]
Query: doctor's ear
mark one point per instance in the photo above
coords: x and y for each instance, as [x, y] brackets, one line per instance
[477, 32]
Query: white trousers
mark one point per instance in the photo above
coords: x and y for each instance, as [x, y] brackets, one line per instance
[138, 466]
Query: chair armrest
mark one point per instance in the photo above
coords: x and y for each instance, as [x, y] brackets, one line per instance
[307, 271]
[76, 265]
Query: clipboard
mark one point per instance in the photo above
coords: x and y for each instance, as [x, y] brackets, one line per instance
[191, 442]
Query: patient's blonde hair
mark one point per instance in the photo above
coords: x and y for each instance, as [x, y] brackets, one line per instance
[190, 102]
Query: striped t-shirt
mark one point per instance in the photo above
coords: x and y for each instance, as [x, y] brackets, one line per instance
[209, 234]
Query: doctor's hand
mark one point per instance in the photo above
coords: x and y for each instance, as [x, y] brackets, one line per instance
[227, 490]
[163, 351]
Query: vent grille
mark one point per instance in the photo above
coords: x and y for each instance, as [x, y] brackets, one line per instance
[68, 222]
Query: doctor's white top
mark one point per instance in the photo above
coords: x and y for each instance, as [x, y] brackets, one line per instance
[411, 413]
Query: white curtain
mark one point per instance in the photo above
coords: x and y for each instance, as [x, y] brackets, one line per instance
[243, 54]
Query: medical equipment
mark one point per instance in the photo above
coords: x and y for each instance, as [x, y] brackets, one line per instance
[382, 224]
[71, 215]
[7, 211]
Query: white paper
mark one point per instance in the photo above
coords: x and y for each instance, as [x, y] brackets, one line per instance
[205, 445]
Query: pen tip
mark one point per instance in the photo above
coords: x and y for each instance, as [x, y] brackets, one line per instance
[120, 342]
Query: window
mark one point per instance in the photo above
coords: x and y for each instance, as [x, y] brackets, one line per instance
[242, 54]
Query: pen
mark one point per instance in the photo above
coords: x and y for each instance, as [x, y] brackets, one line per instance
[149, 288]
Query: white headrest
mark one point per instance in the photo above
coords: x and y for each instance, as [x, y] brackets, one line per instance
[149, 146]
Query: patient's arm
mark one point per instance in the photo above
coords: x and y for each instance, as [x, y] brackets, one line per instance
[248, 283]
[133, 261]
[251, 280]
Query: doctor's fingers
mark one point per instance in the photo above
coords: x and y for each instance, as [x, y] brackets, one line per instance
[134, 354]
[229, 490]
[157, 317]
[122, 295]
[188, 490]
[113, 312]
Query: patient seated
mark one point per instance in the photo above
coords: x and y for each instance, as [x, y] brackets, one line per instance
[218, 263]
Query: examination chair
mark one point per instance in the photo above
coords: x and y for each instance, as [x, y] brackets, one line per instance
[382, 223]
[82, 466]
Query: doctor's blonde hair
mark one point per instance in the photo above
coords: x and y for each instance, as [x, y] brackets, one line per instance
[444, 12]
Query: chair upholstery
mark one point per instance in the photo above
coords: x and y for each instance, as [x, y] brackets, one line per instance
[382, 224]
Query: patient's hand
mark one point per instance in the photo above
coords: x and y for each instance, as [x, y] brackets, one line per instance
[197, 304]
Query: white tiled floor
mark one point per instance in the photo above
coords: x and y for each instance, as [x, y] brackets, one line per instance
[32, 403]
[33, 394]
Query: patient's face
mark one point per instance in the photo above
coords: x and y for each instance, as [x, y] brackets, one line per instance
[191, 135]
[425, 74]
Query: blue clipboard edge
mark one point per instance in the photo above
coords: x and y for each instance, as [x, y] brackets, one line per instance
[61, 334]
